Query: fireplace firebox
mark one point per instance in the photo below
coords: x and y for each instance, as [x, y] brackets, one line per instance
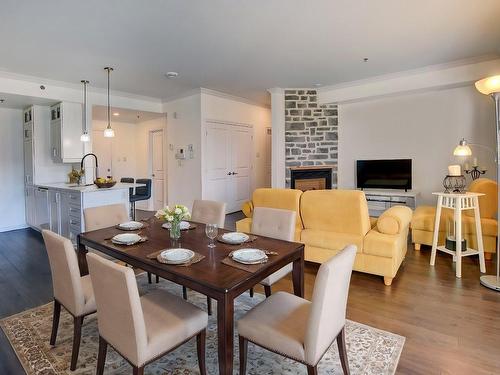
[311, 178]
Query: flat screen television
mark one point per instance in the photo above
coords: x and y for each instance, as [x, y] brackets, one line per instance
[384, 174]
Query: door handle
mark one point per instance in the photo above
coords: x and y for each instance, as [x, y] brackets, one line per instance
[234, 173]
[153, 175]
[229, 173]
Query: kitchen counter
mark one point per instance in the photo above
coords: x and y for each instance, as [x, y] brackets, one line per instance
[89, 188]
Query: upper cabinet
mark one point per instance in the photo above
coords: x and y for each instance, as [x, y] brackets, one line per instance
[65, 132]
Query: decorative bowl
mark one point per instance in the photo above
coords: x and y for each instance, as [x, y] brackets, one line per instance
[105, 184]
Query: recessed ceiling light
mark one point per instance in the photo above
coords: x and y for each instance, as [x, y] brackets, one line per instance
[170, 75]
[318, 84]
[365, 59]
[116, 114]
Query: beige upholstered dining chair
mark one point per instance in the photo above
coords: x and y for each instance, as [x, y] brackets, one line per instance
[72, 291]
[96, 218]
[141, 329]
[207, 212]
[299, 329]
[275, 223]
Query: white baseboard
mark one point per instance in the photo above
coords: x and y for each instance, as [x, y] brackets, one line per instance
[13, 227]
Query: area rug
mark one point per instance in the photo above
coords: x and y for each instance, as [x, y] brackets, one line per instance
[370, 351]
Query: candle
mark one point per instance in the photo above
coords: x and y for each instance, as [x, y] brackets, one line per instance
[466, 166]
[454, 170]
[475, 162]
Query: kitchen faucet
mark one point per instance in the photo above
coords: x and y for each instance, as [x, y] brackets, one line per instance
[95, 171]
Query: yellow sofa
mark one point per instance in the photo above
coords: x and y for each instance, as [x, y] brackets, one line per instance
[331, 219]
[422, 225]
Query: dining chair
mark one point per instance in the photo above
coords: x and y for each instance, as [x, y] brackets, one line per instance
[72, 291]
[141, 329]
[207, 212]
[301, 330]
[107, 216]
[275, 223]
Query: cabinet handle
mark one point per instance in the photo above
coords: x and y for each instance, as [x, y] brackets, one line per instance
[72, 222]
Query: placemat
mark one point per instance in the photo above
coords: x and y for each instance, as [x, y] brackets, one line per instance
[124, 246]
[228, 261]
[156, 255]
[251, 238]
[144, 226]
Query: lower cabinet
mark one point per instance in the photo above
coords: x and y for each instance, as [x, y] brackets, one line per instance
[30, 205]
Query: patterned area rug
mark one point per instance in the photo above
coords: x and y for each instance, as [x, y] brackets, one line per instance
[370, 350]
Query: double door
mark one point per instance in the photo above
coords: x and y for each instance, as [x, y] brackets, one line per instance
[228, 164]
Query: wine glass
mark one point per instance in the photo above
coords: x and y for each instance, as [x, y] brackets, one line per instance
[211, 230]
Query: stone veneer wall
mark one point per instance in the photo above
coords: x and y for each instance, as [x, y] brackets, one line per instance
[311, 132]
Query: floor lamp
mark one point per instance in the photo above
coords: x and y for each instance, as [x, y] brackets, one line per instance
[491, 86]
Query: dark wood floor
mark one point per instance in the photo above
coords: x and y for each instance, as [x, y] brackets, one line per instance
[451, 326]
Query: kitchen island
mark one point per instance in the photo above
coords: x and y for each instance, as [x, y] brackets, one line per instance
[59, 206]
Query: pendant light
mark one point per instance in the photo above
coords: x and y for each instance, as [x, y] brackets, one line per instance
[85, 135]
[109, 132]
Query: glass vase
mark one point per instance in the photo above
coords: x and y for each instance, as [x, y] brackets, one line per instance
[175, 230]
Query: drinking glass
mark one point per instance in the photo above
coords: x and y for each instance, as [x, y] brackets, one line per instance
[211, 230]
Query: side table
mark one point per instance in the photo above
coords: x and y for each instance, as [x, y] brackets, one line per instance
[459, 202]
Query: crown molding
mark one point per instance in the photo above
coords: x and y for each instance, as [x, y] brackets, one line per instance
[234, 98]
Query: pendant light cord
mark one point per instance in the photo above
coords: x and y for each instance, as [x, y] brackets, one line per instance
[109, 118]
[85, 82]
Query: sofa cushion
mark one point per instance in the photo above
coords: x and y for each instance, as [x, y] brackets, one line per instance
[330, 240]
[488, 203]
[338, 211]
[394, 220]
[285, 199]
[382, 245]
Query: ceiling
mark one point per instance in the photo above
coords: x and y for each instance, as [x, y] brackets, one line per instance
[239, 47]
[100, 113]
[21, 101]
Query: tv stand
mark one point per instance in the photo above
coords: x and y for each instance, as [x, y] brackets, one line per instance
[380, 200]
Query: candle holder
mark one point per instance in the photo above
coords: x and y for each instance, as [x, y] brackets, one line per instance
[475, 172]
[454, 184]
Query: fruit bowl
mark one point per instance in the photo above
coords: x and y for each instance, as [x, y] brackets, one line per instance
[105, 184]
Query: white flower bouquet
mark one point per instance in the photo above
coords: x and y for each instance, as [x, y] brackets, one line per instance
[174, 215]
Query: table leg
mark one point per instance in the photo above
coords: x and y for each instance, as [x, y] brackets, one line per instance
[458, 236]
[82, 258]
[436, 230]
[225, 333]
[479, 235]
[298, 276]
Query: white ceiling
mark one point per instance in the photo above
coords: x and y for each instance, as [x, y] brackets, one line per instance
[239, 47]
[100, 113]
[21, 101]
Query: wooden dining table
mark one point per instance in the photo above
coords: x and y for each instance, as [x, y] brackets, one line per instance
[210, 276]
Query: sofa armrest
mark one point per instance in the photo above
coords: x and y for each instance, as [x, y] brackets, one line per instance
[247, 208]
[394, 220]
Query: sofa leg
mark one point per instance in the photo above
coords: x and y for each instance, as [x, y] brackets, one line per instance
[417, 246]
[388, 280]
[488, 256]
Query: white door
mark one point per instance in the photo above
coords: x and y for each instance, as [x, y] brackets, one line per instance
[157, 168]
[228, 158]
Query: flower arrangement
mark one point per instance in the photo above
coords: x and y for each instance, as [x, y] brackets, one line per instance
[174, 215]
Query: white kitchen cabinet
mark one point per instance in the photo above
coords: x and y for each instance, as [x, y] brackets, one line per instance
[42, 220]
[55, 211]
[65, 132]
[30, 205]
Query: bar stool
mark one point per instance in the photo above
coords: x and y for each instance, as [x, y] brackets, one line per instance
[142, 193]
[129, 180]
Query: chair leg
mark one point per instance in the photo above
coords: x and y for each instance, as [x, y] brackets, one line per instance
[417, 246]
[184, 293]
[55, 322]
[243, 354]
[200, 348]
[267, 290]
[133, 210]
[149, 278]
[209, 306]
[312, 370]
[343, 351]
[157, 279]
[138, 370]
[251, 292]
[77, 335]
[101, 356]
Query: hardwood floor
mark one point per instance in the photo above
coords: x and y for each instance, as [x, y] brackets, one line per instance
[451, 326]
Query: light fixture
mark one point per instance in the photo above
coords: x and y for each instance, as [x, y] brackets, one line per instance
[462, 149]
[171, 75]
[109, 132]
[85, 134]
[116, 114]
[491, 86]
[318, 84]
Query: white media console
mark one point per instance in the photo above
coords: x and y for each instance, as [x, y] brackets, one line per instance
[381, 200]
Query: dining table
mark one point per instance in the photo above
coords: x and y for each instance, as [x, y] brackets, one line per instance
[213, 276]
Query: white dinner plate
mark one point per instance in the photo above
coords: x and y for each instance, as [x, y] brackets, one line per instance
[249, 256]
[126, 238]
[183, 224]
[131, 225]
[177, 255]
[235, 238]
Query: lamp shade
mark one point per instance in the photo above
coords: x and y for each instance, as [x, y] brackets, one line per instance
[109, 132]
[462, 149]
[85, 137]
[488, 85]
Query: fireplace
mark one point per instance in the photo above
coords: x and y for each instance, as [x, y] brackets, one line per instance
[311, 178]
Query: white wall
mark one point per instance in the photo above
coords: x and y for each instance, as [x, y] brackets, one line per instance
[183, 128]
[225, 109]
[11, 170]
[425, 127]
